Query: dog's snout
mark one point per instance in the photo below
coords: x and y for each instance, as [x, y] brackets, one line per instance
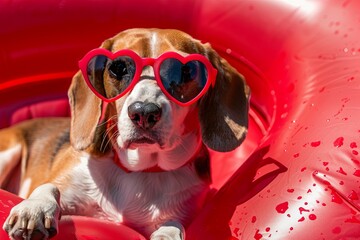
[144, 115]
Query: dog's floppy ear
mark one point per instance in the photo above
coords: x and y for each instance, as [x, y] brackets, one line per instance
[223, 109]
[86, 110]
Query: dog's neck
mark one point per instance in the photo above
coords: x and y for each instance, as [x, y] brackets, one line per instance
[199, 153]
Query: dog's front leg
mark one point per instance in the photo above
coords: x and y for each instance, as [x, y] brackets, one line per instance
[36, 217]
[171, 230]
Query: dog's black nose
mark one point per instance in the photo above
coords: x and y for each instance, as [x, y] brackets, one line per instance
[144, 115]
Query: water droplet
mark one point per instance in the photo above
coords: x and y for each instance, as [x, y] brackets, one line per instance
[341, 171]
[339, 142]
[301, 219]
[325, 163]
[351, 79]
[301, 210]
[253, 219]
[303, 169]
[355, 161]
[296, 155]
[355, 152]
[284, 115]
[336, 230]
[357, 173]
[291, 87]
[335, 197]
[312, 217]
[257, 235]
[228, 51]
[267, 229]
[282, 207]
[345, 100]
[236, 231]
[290, 190]
[353, 145]
[315, 144]
[353, 195]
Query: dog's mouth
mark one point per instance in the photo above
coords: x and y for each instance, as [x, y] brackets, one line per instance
[141, 142]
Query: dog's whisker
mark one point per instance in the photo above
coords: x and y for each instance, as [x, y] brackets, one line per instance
[106, 136]
[114, 117]
[105, 142]
[114, 135]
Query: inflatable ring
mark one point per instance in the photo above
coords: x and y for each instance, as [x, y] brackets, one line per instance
[297, 174]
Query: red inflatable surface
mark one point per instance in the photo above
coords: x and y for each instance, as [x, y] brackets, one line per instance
[297, 174]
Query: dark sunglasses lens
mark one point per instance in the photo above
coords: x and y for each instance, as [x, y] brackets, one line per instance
[183, 81]
[111, 77]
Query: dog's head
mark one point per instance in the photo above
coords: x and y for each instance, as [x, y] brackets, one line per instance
[145, 126]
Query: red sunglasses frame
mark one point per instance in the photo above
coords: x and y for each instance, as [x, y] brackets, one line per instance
[140, 63]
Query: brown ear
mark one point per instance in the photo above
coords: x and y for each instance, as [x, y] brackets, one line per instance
[85, 113]
[223, 110]
[86, 110]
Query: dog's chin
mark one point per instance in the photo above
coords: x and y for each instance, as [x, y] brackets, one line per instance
[140, 153]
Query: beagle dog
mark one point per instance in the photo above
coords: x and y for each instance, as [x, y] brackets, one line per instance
[145, 107]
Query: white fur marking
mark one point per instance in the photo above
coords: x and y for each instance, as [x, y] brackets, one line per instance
[100, 189]
[25, 187]
[173, 148]
[8, 160]
[153, 43]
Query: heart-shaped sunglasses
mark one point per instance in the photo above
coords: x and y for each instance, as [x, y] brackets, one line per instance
[183, 80]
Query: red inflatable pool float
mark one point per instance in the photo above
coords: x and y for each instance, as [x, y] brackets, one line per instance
[297, 175]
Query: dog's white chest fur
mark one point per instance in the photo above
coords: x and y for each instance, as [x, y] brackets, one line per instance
[99, 188]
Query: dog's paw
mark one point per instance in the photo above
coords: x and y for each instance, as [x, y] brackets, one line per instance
[33, 219]
[169, 231]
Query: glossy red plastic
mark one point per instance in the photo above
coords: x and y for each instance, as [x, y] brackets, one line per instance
[296, 176]
[140, 63]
